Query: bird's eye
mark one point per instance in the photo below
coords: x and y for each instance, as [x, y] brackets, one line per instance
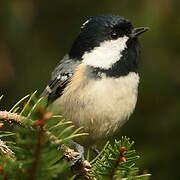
[114, 35]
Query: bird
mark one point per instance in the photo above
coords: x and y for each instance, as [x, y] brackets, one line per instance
[95, 85]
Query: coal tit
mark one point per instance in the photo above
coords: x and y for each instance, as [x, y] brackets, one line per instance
[96, 84]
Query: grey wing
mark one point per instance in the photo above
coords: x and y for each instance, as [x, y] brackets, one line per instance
[60, 78]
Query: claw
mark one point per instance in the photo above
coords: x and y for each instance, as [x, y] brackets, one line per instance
[80, 158]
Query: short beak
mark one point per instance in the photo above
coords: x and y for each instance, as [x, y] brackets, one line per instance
[137, 31]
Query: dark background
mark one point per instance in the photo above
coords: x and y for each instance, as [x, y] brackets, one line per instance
[35, 35]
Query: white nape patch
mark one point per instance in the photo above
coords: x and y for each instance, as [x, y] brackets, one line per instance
[85, 23]
[105, 55]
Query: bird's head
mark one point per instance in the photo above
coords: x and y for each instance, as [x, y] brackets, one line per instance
[107, 41]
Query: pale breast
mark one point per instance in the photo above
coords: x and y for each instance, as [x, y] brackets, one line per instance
[100, 106]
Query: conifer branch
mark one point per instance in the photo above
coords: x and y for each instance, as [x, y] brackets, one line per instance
[6, 150]
[11, 118]
[41, 123]
[119, 158]
[83, 168]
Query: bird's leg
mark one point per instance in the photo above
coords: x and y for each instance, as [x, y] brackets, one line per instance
[96, 151]
[80, 157]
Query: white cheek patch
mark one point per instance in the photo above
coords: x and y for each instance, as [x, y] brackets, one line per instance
[108, 53]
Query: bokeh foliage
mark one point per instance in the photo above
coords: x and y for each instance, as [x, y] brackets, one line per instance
[35, 35]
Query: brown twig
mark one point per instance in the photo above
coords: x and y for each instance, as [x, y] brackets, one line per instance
[4, 173]
[12, 118]
[120, 158]
[115, 167]
[40, 122]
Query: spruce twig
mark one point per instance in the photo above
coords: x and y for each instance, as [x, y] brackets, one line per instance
[119, 158]
[12, 118]
[40, 122]
[83, 168]
[6, 150]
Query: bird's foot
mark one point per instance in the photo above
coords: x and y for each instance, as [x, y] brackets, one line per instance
[80, 157]
[77, 159]
[79, 163]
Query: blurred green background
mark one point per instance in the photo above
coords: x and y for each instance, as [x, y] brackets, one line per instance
[35, 35]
